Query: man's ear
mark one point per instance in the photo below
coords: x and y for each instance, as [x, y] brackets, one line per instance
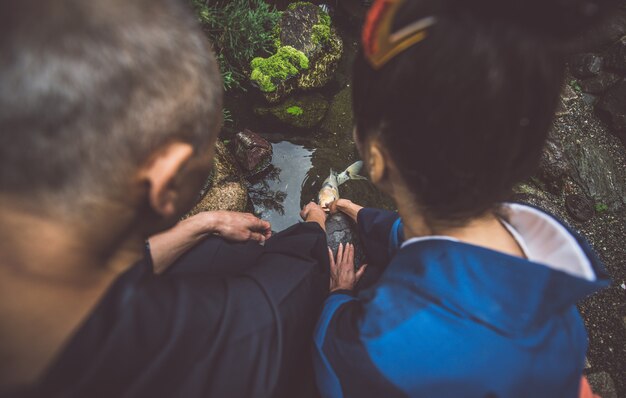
[377, 163]
[161, 171]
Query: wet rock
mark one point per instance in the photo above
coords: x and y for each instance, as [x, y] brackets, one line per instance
[612, 106]
[225, 189]
[339, 117]
[585, 65]
[340, 229]
[579, 207]
[253, 152]
[553, 166]
[602, 384]
[616, 55]
[307, 29]
[600, 83]
[594, 169]
[303, 112]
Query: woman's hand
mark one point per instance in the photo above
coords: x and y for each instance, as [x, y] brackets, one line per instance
[238, 227]
[345, 206]
[314, 213]
[342, 273]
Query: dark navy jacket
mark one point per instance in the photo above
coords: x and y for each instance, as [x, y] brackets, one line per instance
[449, 319]
[228, 320]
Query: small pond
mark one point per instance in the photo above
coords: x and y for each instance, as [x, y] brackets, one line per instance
[303, 158]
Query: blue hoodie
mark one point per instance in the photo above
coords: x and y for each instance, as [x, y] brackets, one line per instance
[450, 319]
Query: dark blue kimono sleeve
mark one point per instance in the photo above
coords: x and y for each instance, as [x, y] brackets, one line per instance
[381, 234]
[341, 361]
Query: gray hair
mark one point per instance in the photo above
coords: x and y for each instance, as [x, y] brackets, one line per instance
[89, 89]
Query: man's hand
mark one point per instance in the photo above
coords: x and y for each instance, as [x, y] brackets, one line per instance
[169, 245]
[342, 273]
[239, 227]
[314, 213]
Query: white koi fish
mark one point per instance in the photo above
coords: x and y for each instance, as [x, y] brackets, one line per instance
[330, 188]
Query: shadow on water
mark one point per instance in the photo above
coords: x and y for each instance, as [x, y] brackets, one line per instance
[303, 159]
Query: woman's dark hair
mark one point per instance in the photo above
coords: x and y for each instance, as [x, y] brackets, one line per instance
[465, 112]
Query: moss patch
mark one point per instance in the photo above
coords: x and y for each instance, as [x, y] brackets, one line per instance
[294, 110]
[303, 112]
[287, 62]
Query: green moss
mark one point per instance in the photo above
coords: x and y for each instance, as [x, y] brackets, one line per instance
[320, 34]
[287, 62]
[297, 4]
[601, 207]
[295, 110]
[324, 18]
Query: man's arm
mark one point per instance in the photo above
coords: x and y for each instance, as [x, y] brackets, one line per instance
[168, 246]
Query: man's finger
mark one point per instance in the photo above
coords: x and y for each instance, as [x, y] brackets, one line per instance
[257, 237]
[257, 224]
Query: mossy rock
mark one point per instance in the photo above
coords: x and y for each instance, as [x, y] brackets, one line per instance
[303, 112]
[225, 188]
[339, 117]
[304, 32]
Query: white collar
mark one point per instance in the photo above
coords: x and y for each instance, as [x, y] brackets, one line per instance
[542, 239]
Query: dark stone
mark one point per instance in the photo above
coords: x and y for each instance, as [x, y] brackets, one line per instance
[612, 106]
[599, 84]
[585, 65]
[253, 152]
[340, 229]
[579, 208]
[602, 384]
[595, 170]
[303, 111]
[553, 166]
[616, 55]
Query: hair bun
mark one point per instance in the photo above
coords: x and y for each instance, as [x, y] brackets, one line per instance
[557, 18]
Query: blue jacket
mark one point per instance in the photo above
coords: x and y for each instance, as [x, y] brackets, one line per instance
[449, 319]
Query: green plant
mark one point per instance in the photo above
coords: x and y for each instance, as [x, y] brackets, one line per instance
[575, 85]
[295, 110]
[287, 62]
[239, 30]
[601, 207]
[227, 116]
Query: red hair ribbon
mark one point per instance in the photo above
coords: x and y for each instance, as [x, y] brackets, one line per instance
[379, 43]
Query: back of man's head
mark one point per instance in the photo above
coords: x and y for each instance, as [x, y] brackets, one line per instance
[90, 89]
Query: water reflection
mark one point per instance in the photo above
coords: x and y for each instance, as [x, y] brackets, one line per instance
[276, 196]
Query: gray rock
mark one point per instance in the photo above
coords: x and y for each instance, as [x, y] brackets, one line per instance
[340, 229]
[585, 65]
[616, 55]
[225, 189]
[553, 166]
[612, 106]
[600, 83]
[253, 152]
[595, 170]
[602, 385]
[307, 28]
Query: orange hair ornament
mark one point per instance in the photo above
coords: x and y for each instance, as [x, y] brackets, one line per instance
[379, 43]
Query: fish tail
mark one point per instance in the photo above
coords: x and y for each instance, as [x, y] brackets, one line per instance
[354, 169]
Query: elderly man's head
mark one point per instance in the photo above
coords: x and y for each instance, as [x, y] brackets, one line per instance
[99, 97]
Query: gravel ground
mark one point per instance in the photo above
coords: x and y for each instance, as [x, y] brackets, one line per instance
[604, 313]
